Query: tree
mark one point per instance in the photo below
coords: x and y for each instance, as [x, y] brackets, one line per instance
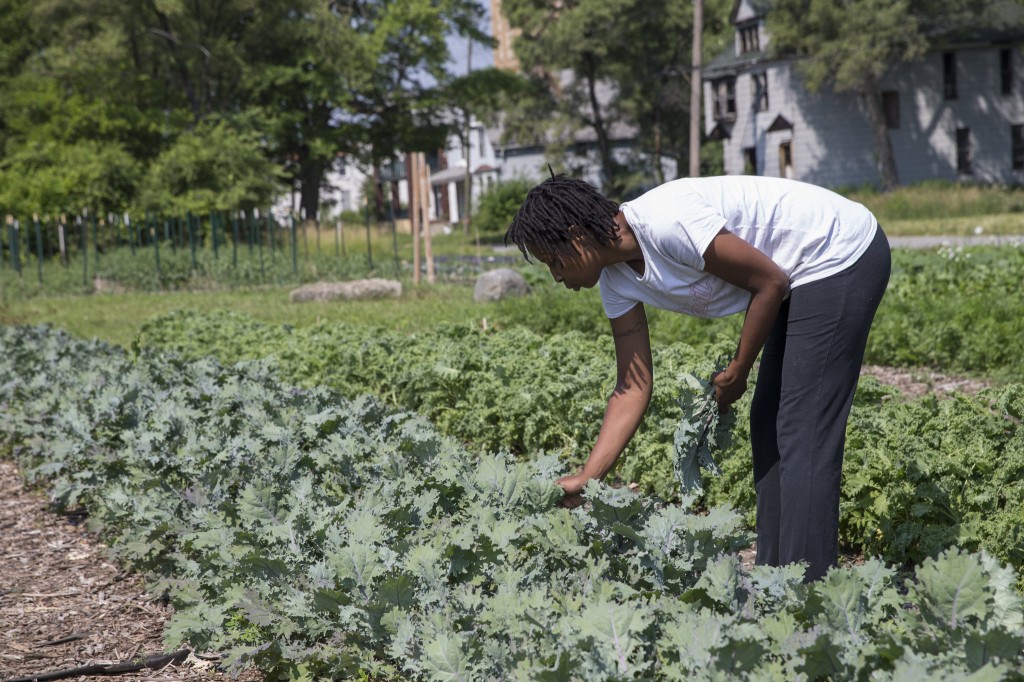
[599, 64]
[850, 45]
[218, 165]
[308, 78]
[650, 60]
[52, 177]
[363, 77]
[564, 45]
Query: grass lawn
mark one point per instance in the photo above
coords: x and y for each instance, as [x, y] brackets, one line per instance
[117, 317]
[959, 226]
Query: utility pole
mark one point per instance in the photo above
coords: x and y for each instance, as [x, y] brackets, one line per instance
[469, 168]
[695, 87]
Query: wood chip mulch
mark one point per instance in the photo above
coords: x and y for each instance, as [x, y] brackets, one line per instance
[65, 605]
[915, 383]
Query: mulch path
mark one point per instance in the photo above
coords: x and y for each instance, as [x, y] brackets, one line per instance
[64, 604]
[915, 383]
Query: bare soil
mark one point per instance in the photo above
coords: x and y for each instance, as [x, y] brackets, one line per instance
[915, 383]
[64, 604]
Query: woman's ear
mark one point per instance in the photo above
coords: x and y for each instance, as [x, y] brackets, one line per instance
[580, 239]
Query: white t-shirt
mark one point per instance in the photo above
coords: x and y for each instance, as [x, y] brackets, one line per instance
[808, 231]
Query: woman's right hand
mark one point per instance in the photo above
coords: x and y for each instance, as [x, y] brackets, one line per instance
[573, 486]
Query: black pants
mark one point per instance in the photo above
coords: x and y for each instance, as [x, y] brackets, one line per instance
[805, 385]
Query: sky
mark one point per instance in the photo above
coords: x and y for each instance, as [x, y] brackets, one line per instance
[482, 57]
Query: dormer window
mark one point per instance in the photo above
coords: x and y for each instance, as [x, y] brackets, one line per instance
[749, 39]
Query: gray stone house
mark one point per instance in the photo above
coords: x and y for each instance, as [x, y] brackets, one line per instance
[956, 114]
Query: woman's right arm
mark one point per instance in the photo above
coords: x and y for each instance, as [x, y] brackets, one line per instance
[626, 405]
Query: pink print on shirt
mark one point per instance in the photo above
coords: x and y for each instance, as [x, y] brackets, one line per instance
[700, 298]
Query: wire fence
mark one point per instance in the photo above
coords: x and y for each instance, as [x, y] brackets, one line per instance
[86, 252]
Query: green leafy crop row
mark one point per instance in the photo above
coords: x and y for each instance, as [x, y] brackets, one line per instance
[511, 390]
[919, 476]
[316, 537]
[957, 310]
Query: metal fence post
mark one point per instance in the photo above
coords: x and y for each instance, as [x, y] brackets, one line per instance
[85, 250]
[191, 238]
[234, 240]
[295, 248]
[259, 240]
[15, 230]
[39, 247]
[95, 242]
[151, 227]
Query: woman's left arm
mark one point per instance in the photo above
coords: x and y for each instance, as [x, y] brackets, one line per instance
[730, 258]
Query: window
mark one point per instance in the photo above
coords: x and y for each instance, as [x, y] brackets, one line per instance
[1017, 146]
[749, 40]
[724, 105]
[963, 151]
[750, 161]
[759, 91]
[949, 75]
[891, 108]
[1006, 71]
[786, 160]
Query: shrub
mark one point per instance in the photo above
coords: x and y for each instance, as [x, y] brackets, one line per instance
[498, 205]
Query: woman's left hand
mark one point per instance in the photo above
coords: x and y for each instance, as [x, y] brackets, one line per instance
[730, 384]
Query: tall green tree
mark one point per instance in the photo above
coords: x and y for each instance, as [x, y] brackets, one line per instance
[849, 45]
[217, 165]
[601, 64]
[650, 61]
[396, 80]
[307, 79]
[564, 46]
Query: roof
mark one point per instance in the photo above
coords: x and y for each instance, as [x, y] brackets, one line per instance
[780, 123]
[728, 63]
[457, 173]
[760, 7]
[446, 175]
[721, 131]
[1003, 23]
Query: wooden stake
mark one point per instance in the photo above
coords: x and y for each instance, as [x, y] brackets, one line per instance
[429, 253]
[412, 178]
[61, 227]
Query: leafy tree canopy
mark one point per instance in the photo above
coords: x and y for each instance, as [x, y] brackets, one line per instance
[144, 77]
[216, 166]
[610, 65]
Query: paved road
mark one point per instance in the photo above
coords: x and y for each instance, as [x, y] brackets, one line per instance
[930, 242]
[920, 242]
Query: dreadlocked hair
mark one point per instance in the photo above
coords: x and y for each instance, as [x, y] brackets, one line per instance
[555, 210]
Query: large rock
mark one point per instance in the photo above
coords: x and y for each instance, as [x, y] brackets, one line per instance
[495, 285]
[356, 289]
[107, 286]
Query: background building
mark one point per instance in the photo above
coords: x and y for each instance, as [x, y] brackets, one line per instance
[956, 114]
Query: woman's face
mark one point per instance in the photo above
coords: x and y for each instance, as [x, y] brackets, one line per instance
[578, 267]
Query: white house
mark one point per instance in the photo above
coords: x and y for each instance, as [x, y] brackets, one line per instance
[490, 159]
[342, 191]
[956, 114]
